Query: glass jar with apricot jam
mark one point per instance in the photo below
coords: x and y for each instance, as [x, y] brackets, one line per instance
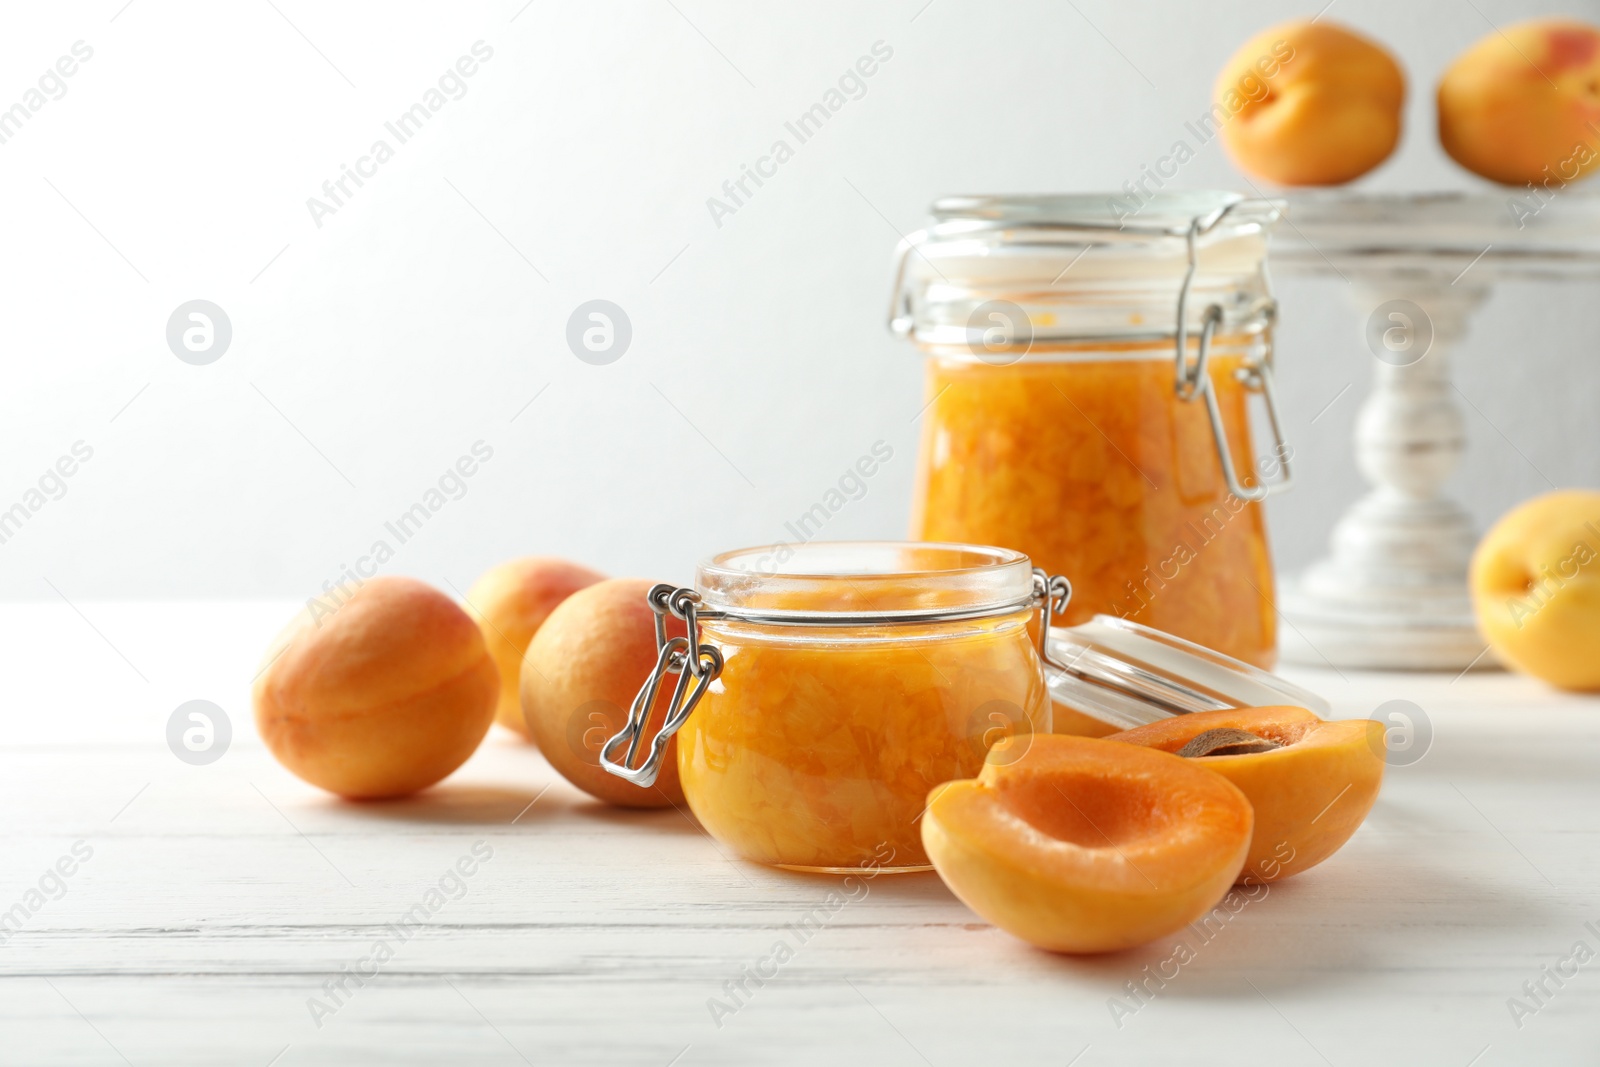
[823, 689]
[1090, 365]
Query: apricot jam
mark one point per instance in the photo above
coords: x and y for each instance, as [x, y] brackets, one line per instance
[1095, 469]
[1090, 365]
[854, 678]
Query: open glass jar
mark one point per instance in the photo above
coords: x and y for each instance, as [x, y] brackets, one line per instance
[1090, 362]
[822, 690]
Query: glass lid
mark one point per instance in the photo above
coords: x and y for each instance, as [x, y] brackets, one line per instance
[1162, 214]
[861, 582]
[1126, 675]
[1083, 267]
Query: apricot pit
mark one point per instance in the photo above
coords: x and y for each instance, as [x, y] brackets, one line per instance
[1226, 741]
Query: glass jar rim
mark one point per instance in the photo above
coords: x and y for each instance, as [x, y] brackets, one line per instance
[1162, 214]
[1152, 268]
[864, 582]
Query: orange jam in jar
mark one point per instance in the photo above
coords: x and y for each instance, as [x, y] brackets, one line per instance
[1098, 471]
[846, 681]
[1088, 382]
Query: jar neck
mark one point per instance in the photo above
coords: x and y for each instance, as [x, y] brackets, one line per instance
[729, 632]
[1248, 346]
[859, 583]
[1080, 267]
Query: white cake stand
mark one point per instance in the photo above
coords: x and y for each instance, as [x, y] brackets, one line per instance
[1392, 593]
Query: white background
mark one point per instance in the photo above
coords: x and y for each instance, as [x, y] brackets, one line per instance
[373, 352]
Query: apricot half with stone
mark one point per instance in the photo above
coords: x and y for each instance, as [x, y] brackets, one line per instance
[1081, 845]
[1310, 781]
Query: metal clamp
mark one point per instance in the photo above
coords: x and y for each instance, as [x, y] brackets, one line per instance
[901, 311]
[696, 666]
[1194, 379]
[1053, 593]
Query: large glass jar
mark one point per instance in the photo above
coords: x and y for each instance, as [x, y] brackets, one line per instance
[833, 686]
[1090, 362]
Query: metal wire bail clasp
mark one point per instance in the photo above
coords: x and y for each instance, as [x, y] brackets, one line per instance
[696, 666]
[1194, 380]
[1054, 593]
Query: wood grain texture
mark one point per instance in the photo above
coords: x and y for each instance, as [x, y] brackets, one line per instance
[218, 900]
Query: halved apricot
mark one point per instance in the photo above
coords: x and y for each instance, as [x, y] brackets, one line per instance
[1311, 784]
[1069, 720]
[1081, 845]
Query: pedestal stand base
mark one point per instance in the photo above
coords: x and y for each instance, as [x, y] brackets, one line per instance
[1375, 636]
[1392, 592]
[1392, 595]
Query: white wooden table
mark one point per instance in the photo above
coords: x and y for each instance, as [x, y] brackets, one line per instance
[219, 899]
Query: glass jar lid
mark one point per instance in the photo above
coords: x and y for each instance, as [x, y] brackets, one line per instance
[1127, 675]
[1085, 276]
[1085, 267]
[830, 583]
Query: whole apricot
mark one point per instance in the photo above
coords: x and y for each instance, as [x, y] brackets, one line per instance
[579, 677]
[1311, 782]
[1309, 103]
[1522, 104]
[383, 697]
[509, 603]
[1081, 845]
[1536, 588]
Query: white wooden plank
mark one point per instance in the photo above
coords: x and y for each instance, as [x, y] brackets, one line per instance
[219, 899]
